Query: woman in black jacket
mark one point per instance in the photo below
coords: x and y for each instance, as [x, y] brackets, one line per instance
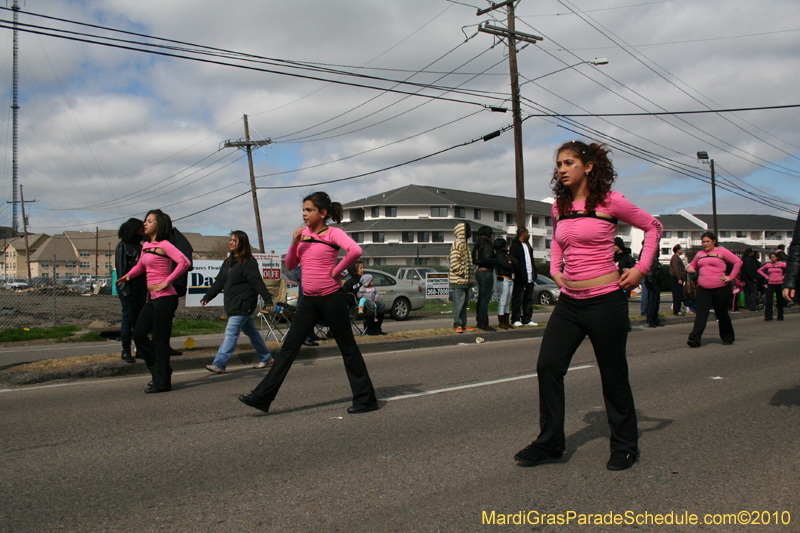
[505, 283]
[483, 255]
[132, 294]
[240, 281]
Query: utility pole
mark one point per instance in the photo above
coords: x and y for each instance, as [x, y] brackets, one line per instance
[512, 36]
[96, 251]
[15, 127]
[248, 144]
[25, 225]
[703, 157]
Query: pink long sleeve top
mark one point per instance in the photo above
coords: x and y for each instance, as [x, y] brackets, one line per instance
[712, 267]
[583, 244]
[775, 276]
[158, 268]
[317, 260]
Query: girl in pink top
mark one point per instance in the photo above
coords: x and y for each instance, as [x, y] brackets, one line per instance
[315, 246]
[592, 301]
[712, 288]
[773, 271]
[156, 262]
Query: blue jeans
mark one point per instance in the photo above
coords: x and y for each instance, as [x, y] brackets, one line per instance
[485, 279]
[506, 287]
[238, 324]
[645, 299]
[460, 300]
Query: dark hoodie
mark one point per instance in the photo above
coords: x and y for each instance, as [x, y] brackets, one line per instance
[354, 283]
[483, 253]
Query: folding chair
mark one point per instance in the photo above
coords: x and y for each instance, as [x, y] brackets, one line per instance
[277, 321]
[356, 322]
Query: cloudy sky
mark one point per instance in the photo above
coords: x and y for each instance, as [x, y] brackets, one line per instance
[107, 133]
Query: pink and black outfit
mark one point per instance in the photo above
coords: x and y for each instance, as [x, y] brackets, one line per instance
[774, 273]
[323, 299]
[583, 248]
[712, 291]
[159, 310]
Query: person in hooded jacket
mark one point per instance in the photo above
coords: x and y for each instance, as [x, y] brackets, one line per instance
[625, 262]
[240, 281]
[750, 277]
[505, 283]
[653, 279]
[461, 276]
[521, 253]
[132, 294]
[484, 257]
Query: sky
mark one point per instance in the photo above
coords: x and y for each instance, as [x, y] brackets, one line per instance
[108, 133]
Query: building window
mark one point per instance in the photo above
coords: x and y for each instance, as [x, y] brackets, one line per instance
[547, 243]
[682, 234]
[377, 236]
[665, 251]
[509, 219]
[108, 265]
[423, 236]
[548, 221]
[789, 234]
[85, 254]
[56, 264]
[408, 236]
[108, 253]
[498, 216]
[376, 212]
[460, 212]
[438, 211]
[477, 214]
[378, 261]
[438, 236]
[390, 211]
[45, 264]
[666, 235]
[772, 234]
[724, 234]
[358, 236]
[534, 221]
[85, 264]
[70, 264]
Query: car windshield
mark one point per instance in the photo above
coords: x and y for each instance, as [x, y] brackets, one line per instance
[544, 280]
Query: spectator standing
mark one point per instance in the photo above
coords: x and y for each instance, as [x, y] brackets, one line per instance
[585, 216]
[712, 288]
[132, 294]
[792, 273]
[624, 261]
[677, 273]
[241, 283]
[781, 253]
[505, 275]
[773, 272]
[484, 257]
[461, 276]
[521, 254]
[750, 278]
[653, 279]
[315, 246]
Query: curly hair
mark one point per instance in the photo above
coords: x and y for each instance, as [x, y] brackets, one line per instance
[600, 177]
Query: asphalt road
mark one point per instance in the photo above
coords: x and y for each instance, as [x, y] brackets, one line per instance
[11, 354]
[719, 427]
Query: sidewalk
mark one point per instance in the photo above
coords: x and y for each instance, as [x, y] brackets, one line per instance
[246, 356]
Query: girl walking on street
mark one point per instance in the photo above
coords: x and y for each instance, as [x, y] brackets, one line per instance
[592, 301]
[159, 310]
[315, 246]
[773, 272]
[240, 281]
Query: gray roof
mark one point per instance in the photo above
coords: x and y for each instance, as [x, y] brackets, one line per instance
[427, 195]
[748, 222]
[677, 222]
[406, 250]
[59, 246]
[413, 224]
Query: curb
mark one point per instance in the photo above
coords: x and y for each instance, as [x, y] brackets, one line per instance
[199, 361]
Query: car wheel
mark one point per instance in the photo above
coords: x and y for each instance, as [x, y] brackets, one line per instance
[545, 298]
[401, 308]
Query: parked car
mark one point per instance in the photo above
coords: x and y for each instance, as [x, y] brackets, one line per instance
[16, 283]
[414, 275]
[546, 291]
[41, 282]
[400, 297]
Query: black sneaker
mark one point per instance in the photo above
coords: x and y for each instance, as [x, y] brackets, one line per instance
[533, 456]
[127, 357]
[254, 401]
[621, 461]
[693, 344]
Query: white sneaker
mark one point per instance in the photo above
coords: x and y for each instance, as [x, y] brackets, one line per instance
[517, 324]
[264, 364]
[532, 323]
[216, 370]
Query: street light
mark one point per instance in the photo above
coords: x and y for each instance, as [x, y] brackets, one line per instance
[595, 61]
[702, 157]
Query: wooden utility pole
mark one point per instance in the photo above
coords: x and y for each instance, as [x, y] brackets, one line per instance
[25, 226]
[96, 251]
[713, 200]
[513, 36]
[248, 144]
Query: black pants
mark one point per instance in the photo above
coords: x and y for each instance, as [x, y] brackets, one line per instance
[333, 309]
[720, 300]
[677, 294]
[778, 292]
[750, 295]
[605, 320]
[156, 318]
[522, 301]
[653, 304]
